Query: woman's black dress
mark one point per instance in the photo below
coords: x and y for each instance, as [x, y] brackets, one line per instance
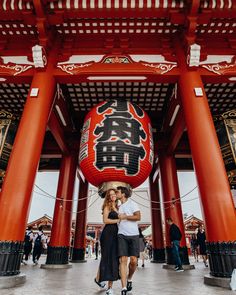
[201, 240]
[109, 265]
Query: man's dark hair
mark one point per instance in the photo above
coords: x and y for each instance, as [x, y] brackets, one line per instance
[124, 190]
[30, 227]
[40, 228]
[169, 219]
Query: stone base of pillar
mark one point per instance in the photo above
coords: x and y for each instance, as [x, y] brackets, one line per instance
[57, 255]
[222, 258]
[78, 255]
[183, 252]
[56, 266]
[12, 281]
[158, 256]
[172, 266]
[11, 253]
[216, 281]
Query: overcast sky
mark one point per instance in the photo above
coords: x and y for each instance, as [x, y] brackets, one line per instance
[47, 181]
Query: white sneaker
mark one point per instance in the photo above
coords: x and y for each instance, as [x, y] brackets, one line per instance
[109, 291]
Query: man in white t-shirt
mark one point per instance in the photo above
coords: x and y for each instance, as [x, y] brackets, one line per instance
[128, 237]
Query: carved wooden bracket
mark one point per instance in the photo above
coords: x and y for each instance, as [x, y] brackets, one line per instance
[73, 69]
[13, 69]
[222, 68]
[161, 68]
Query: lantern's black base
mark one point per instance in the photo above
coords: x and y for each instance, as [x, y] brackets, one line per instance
[158, 256]
[57, 255]
[11, 253]
[222, 258]
[183, 252]
[78, 255]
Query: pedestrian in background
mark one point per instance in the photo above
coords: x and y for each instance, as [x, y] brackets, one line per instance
[175, 237]
[201, 240]
[142, 246]
[28, 241]
[39, 244]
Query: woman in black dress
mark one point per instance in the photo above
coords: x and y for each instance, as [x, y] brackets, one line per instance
[109, 264]
[201, 240]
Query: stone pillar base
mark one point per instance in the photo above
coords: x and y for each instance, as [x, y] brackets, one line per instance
[158, 256]
[56, 266]
[57, 255]
[183, 253]
[78, 261]
[12, 281]
[217, 281]
[78, 255]
[185, 267]
[222, 258]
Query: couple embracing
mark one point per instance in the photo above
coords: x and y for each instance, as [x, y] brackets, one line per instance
[119, 240]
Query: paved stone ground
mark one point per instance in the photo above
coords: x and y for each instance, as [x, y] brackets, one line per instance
[151, 280]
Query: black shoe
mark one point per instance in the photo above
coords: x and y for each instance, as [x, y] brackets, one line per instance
[100, 284]
[129, 286]
[142, 265]
[179, 269]
[123, 292]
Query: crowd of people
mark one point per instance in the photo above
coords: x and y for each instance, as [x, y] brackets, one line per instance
[34, 244]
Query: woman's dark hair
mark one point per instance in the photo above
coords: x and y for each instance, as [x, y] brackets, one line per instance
[124, 190]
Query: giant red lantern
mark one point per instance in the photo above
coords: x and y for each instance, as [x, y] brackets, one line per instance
[116, 144]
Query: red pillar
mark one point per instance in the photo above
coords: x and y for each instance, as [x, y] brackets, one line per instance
[172, 203]
[81, 224]
[216, 198]
[58, 250]
[157, 230]
[22, 167]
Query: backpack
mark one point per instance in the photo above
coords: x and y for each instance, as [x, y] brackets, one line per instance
[27, 238]
[38, 241]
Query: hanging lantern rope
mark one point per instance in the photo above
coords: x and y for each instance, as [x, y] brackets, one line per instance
[77, 212]
[158, 209]
[164, 202]
[46, 194]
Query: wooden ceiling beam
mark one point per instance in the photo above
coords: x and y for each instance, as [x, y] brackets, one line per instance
[58, 132]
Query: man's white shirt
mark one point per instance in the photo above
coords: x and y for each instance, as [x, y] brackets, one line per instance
[128, 227]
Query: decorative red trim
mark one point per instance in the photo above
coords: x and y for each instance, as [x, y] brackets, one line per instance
[161, 68]
[13, 70]
[222, 68]
[73, 69]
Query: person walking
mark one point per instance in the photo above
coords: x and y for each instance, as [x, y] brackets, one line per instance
[39, 245]
[109, 265]
[142, 246]
[128, 238]
[175, 237]
[194, 247]
[201, 241]
[96, 249]
[27, 244]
